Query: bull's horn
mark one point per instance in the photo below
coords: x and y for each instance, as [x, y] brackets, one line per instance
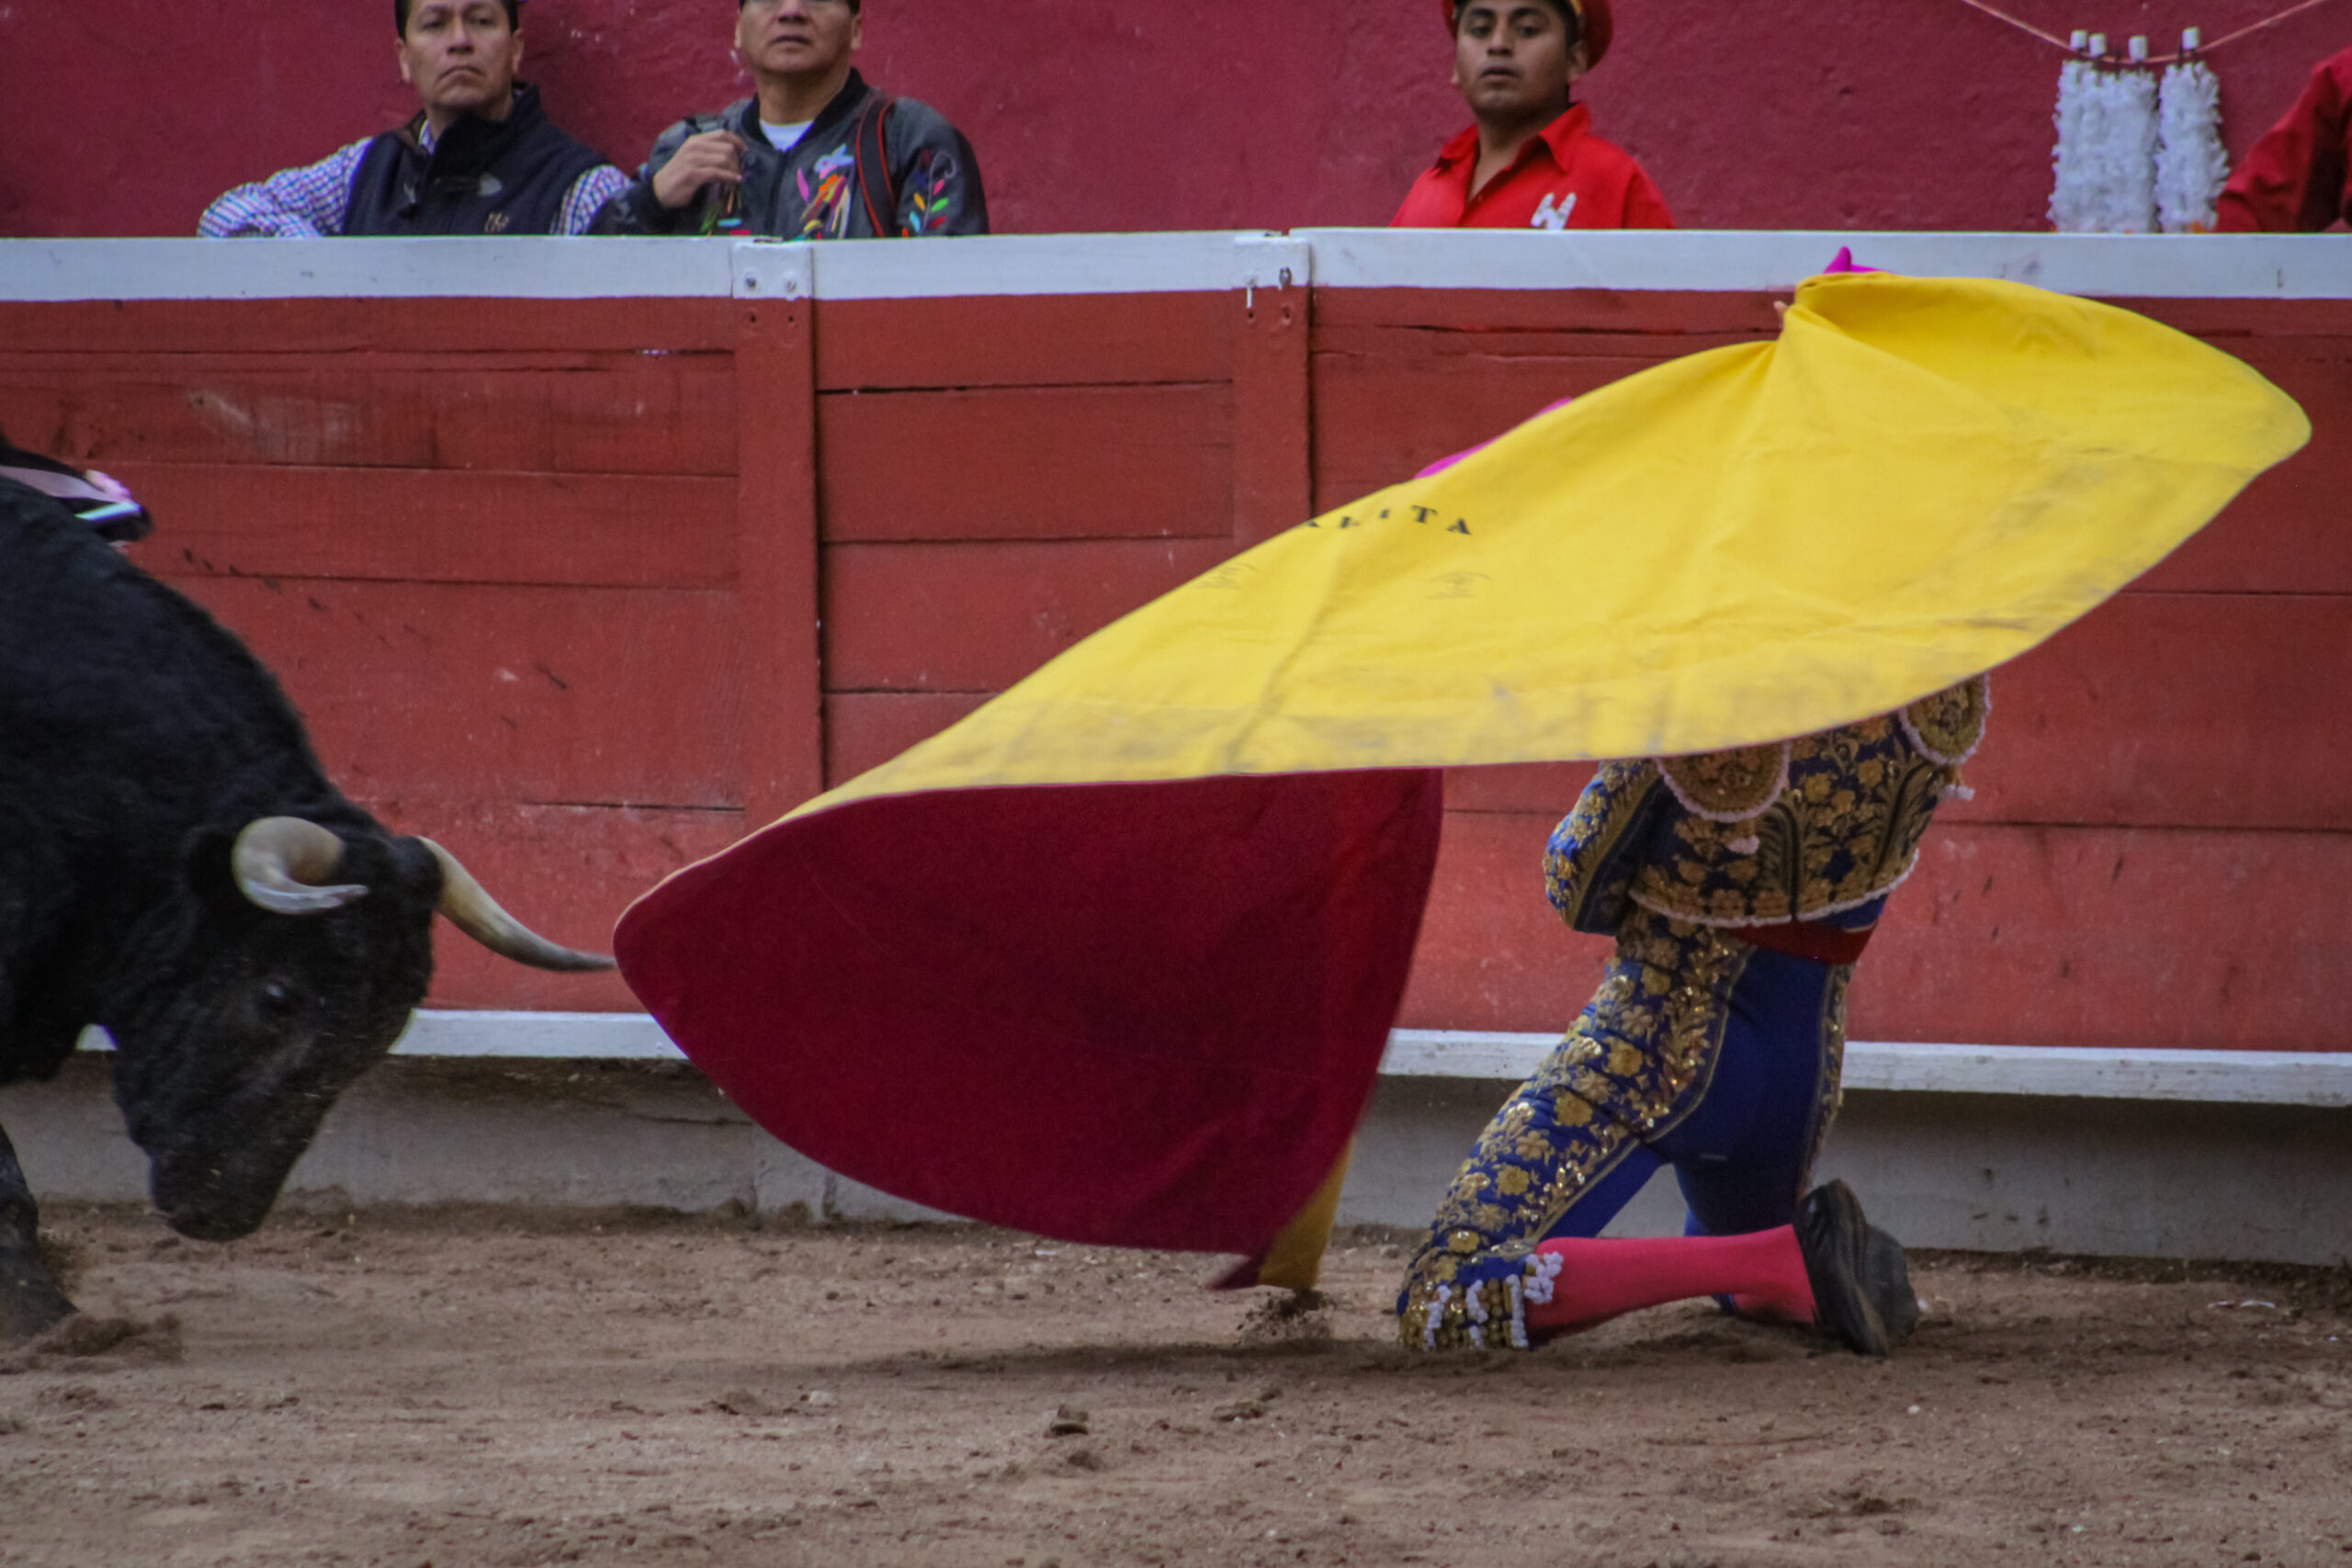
[282, 865]
[477, 914]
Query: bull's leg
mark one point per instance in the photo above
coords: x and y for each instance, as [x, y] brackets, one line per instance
[30, 1299]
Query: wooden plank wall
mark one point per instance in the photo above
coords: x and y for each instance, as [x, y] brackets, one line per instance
[543, 576]
[999, 478]
[488, 545]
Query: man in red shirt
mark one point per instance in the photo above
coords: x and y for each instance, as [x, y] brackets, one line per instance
[2298, 178]
[1529, 161]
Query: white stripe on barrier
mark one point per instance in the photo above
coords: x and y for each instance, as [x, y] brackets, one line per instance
[2252, 1077]
[2246, 1077]
[57, 270]
[562, 1036]
[1028, 264]
[2235, 266]
[2276, 266]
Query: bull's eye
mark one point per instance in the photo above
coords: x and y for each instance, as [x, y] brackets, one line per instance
[277, 1000]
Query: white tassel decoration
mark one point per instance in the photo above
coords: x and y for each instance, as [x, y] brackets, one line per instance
[2191, 165]
[2129, 154]
[2070, 196]
[2106, 158]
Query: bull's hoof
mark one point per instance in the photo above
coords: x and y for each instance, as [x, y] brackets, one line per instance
[30, 1303]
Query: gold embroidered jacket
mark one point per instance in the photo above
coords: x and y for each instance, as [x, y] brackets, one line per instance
[1798, 831]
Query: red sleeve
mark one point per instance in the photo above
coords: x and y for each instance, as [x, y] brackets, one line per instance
[1645, 208]
[2294, 179]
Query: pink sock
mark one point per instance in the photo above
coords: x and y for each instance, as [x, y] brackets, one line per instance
[1599, 1279]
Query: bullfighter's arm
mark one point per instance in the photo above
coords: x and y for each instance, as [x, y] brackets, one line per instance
[1590, 864]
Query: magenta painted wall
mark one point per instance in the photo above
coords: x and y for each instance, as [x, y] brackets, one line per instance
[126, 118]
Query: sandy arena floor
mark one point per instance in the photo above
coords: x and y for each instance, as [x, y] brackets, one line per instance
[472, 1389]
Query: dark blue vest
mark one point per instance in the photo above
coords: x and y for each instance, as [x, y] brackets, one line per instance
[507, 176]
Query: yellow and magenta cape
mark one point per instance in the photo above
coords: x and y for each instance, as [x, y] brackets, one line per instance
[1114, 958]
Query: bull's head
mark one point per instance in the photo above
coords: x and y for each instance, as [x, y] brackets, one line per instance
[291, 969]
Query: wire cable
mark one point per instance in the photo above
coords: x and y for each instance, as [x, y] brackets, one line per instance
[2198, 53]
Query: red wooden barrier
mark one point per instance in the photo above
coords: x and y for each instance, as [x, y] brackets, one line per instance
[584, 587]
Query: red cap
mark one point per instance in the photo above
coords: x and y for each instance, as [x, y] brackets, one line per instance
[1593, 14]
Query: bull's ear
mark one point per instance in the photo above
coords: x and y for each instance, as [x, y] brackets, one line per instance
[204, 865]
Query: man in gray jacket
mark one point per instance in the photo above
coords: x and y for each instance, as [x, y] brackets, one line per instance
[816, 154]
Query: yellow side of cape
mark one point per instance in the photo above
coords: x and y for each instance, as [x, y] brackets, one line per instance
[1919, 480]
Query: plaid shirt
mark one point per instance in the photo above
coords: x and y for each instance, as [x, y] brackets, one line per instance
[310, 202]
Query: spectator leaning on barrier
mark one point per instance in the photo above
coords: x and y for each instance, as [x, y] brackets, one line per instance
[815, 154]
[482, 157]
[2298, 178]
[1529, 161]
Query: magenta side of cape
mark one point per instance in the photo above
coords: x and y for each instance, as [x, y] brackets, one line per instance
[1136, 1015]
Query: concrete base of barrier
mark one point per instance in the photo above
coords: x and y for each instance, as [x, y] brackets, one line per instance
[2127, 1178]
[1994, 1173]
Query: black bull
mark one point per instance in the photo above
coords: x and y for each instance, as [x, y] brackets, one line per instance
[176, 867]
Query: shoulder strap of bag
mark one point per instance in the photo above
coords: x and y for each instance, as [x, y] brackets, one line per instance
[874, 166]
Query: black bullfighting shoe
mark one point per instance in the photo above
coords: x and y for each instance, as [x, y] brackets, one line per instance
[1887, 1272]
[1861, 1288]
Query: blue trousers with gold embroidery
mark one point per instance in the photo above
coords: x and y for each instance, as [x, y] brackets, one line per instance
[1699, 1052]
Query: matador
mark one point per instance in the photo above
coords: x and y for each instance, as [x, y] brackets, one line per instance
[1741, 888]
